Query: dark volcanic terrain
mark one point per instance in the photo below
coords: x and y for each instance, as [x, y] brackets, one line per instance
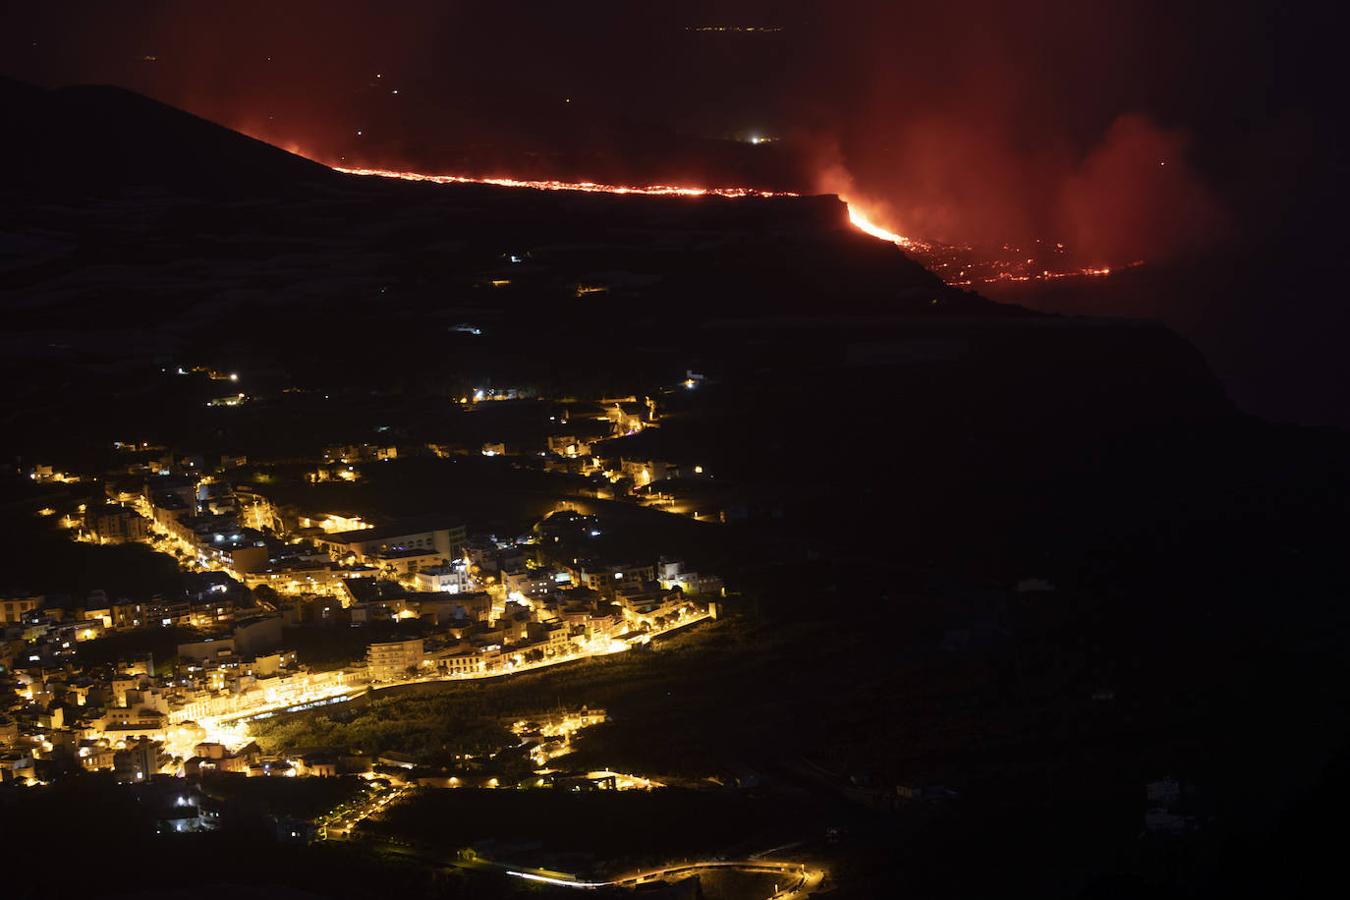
[898, 456]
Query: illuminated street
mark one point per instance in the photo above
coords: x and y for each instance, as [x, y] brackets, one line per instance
[339, 824]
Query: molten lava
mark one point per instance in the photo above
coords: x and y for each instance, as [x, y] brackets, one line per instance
[864, 224]
[959, 266]
[589, 187]
[855, 215]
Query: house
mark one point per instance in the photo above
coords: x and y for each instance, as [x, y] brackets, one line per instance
[447, 609]
[117, 524]
[428, 534]
[459, 659]
[405, 562]
[14, 607]
[452, 578]
[317, 765]
[568, 445]
[138, 762]
[257, 635]
[393, 660]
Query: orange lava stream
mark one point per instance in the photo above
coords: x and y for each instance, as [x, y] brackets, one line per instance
[589, 187]
[860, 220]
[867, 226]
[855, 215]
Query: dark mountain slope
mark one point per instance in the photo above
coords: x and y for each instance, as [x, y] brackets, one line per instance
[100, 140]
[137, 231]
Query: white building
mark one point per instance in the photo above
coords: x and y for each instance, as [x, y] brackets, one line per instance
[452, 578]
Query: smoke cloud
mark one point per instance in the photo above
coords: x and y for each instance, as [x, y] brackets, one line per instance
[976, 122]
[1137, 196]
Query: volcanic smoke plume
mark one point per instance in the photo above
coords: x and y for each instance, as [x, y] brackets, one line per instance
[1090, 124]
[1134, 195]
[993, 124]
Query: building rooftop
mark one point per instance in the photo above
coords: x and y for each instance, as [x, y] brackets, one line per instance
[393, 529]
[406, 553]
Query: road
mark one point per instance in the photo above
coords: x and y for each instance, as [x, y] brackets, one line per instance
[794, 881]
[514, 669]
[343, 694]
[340, 825]
[798, 880]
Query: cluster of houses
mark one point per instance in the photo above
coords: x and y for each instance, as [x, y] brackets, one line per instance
[457, 605]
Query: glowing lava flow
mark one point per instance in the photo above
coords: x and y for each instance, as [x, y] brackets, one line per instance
[855, 215]
[959, 266]
[588, 187]
[866, 225]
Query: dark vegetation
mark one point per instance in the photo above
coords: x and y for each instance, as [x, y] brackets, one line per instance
[623, 829]
[243, 860]
[299, 798]
[433, 730]
[41, 557]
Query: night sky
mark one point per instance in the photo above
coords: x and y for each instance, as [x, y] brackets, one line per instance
[1188, 135]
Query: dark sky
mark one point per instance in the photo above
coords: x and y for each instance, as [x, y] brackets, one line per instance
[1122, 129]
[1164, 131]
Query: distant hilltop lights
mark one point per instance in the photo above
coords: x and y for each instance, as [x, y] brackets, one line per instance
[735, 29]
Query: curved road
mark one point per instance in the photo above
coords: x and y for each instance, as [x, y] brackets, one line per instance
[799, 881]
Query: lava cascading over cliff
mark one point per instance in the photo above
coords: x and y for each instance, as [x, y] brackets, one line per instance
[961, 266]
